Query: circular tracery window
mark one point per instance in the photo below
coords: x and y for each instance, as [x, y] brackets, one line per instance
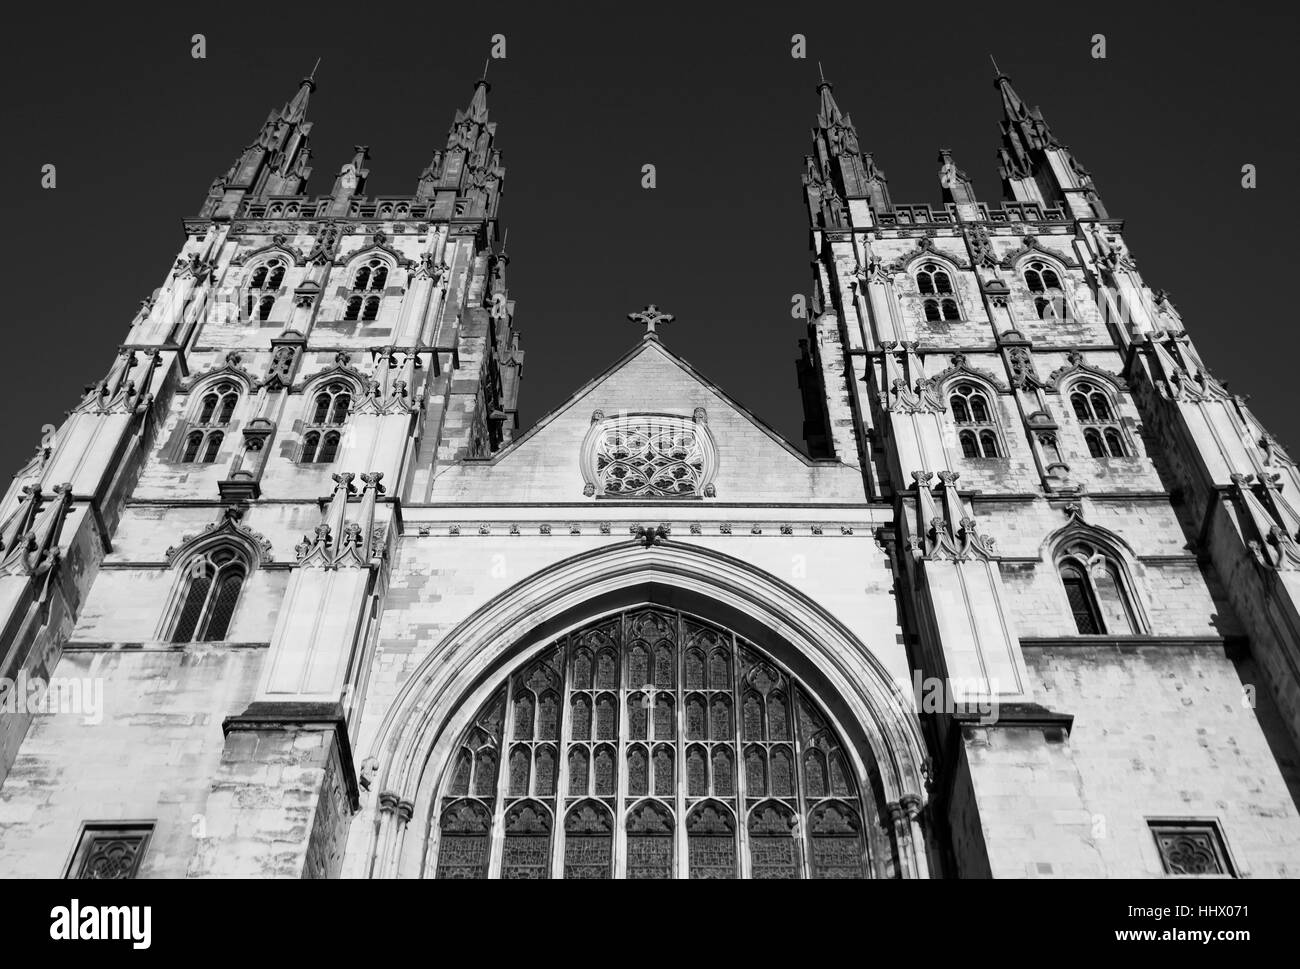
[649, 456]
[649, 744]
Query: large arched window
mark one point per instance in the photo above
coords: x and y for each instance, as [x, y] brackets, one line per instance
[207, 603]
[976, 429]
[327, 411]
[935, 286]
[1044, 285]
[368, 284]
[650, 744]
[1096, 590]
[1094, 409]
[263, 286]
[207, 428]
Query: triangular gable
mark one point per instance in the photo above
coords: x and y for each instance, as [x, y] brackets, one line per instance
[755, 462]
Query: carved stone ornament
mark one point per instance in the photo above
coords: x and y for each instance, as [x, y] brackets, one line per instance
[649, 456]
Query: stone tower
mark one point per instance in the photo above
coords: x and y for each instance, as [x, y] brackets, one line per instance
[1087, 525]
[305, 366]
[288, 596]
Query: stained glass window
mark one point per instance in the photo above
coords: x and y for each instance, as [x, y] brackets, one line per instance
[650, 744]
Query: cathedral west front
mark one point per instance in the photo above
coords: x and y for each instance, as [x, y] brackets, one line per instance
[1024, 603]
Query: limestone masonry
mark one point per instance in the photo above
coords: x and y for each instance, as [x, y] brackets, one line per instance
[289, 594]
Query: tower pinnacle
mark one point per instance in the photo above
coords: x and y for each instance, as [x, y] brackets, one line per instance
[469, 164]
[274, 164]
[1034, 166]
[838, 172]
[296, 109]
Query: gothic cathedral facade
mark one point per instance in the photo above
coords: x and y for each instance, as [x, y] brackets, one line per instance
[289, 594]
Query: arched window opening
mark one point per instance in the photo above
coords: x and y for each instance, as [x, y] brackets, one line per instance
[1049, 295]
[1114, 444]
[933, 280]
[1095, 589]
[1082, 605]
[1092, 437]
[192, 444]
[263, 284]
[328, 410]
[737, 808]
[977, 431]
[216, 409]
[941, 310]
[1042, 278]
[372, 275]
[207, 605]
[1093, 409]
[368, 285]
[935, 285]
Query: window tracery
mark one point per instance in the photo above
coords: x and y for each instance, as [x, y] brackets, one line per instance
[1093, 409]
[214, 581]
[207, 428]
[327, 411]
[939, 299]
[263, 286]
[368, 284]
[973, 414]
[566, 778]
[649, 456]
[1044, 285]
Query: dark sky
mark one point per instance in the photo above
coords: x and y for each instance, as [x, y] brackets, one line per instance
[585, 97]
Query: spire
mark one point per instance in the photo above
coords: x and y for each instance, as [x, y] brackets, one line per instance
[478, 109]
[276, 163]
[469, 164]
[838, 172]
[830, 111]
[1029, 124]
[296, 110]
[1025, 160]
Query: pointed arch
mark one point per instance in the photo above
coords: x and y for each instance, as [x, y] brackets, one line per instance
[279, 244]
[1060, 378]
[209, 585]
[884, 750]
[960, 369]
[211, 413]
[376, 247]
[1097, 570]
[926, 250]
[231, 369]
[341, 370]
[1031, 248]
[254, 545]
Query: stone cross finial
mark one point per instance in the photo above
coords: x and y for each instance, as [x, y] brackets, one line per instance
[650, 317]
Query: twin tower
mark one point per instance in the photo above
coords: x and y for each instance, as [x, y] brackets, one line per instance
[289, 595]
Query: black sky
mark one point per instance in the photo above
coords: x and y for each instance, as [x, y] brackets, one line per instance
[585, 97]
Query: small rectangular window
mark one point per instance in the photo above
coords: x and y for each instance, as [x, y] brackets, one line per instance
[110, 850]
[1192, 848]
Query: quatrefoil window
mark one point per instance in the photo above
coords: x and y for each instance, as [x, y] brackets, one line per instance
[649, 456]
